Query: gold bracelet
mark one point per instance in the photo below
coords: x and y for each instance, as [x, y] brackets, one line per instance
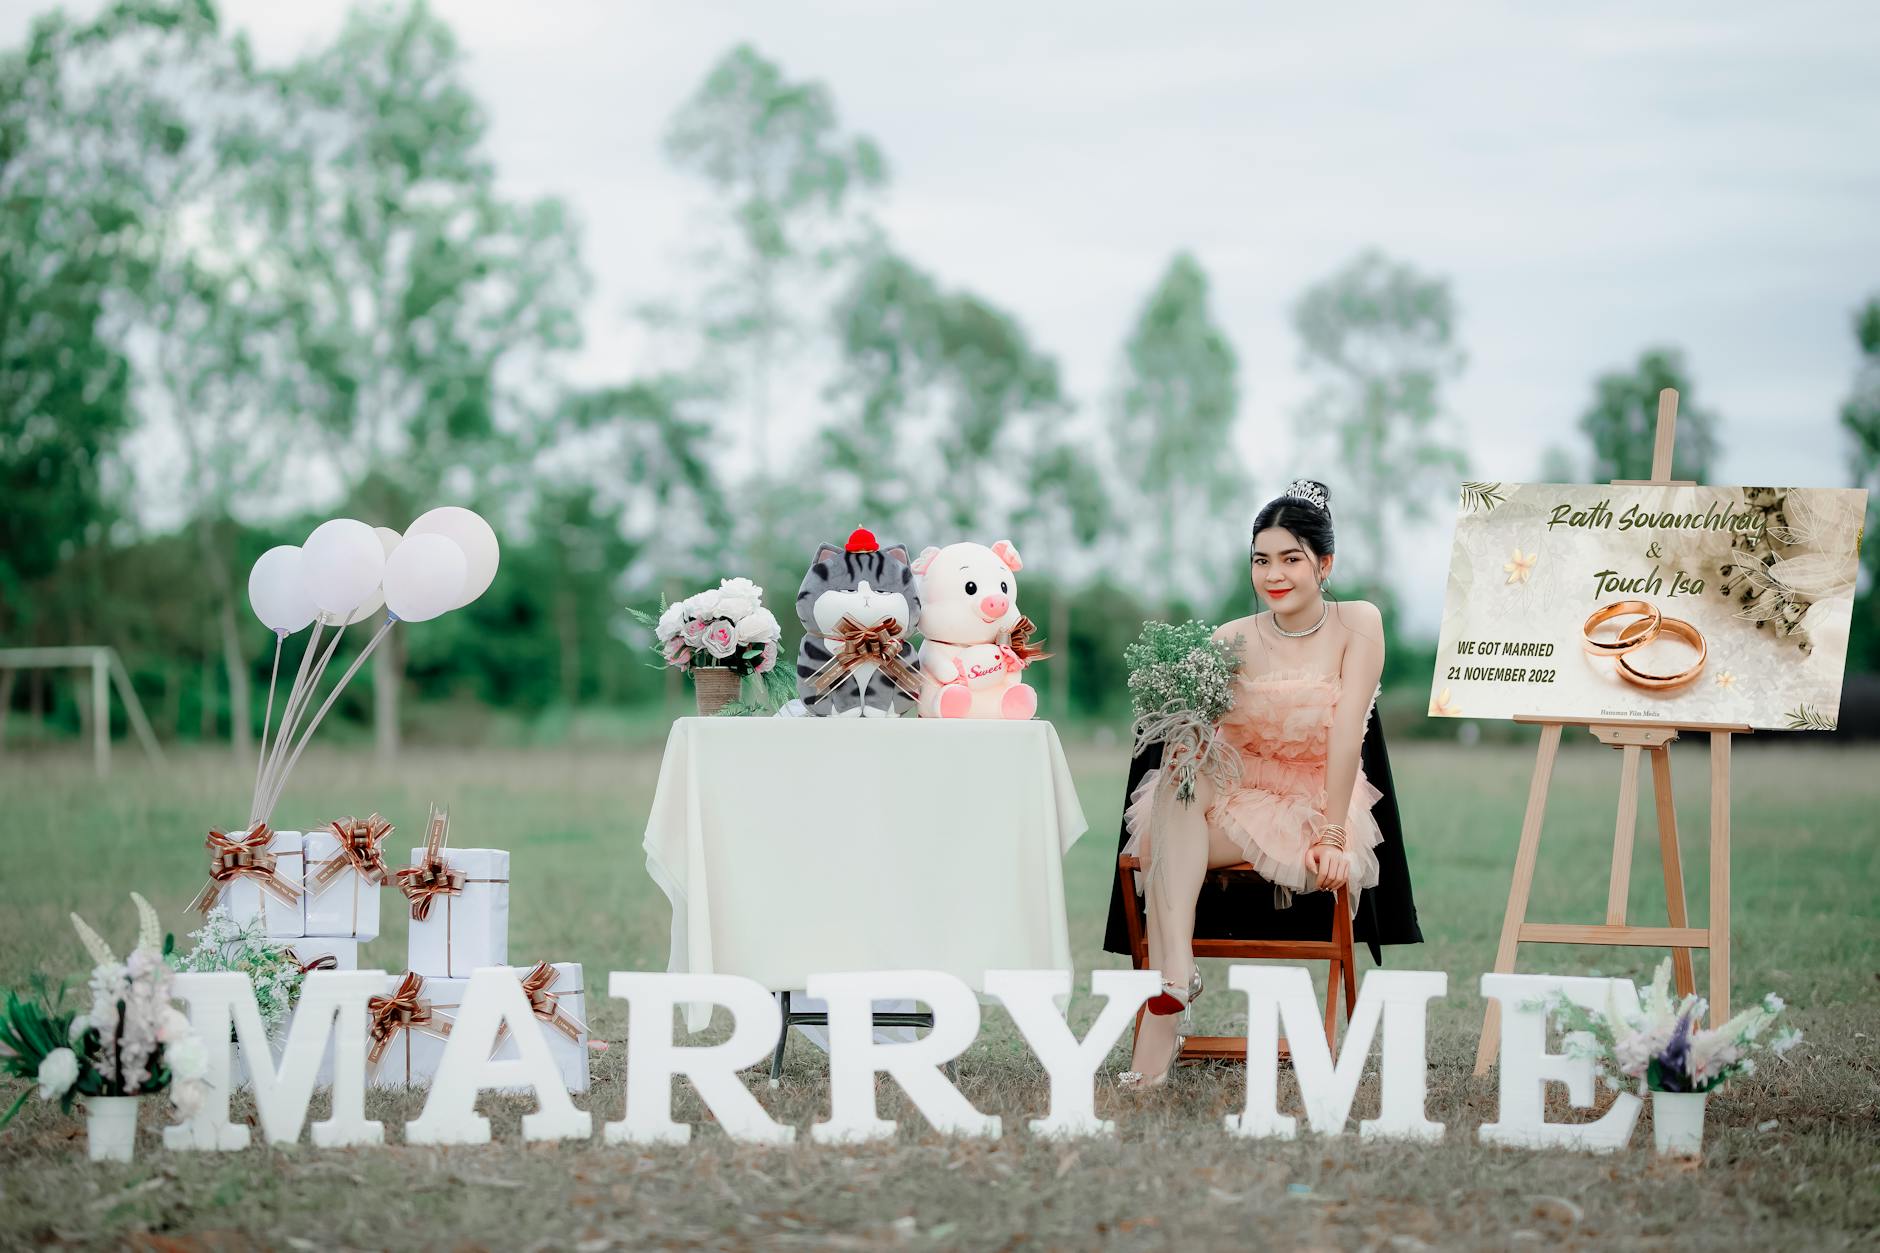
[1334, 835]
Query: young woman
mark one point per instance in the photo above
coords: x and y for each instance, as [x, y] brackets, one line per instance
[1301, 811]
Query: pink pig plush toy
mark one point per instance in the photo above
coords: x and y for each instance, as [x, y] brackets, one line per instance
[968, 607]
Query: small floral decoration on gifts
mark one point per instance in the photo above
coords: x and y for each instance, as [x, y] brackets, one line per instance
[132, 1041]
[271, 966]
[722, 628]
[1661, 1048]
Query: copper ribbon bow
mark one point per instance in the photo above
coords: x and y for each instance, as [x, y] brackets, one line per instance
[546, 1005]
[882, 644]
[403, 1010]
[1021, 645]
[361, 848]
[432, 877]
[325, 961]
[232, 857]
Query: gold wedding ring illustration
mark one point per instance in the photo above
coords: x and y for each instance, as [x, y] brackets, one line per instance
[1650, 624]
[1665, 682]
[1648, 617]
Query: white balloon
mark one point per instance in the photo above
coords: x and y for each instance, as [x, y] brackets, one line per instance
[388, 539]
[424, 577]
[470, 533]
[344, 564]
[277, 590]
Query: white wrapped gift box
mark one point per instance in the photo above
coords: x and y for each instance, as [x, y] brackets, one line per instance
[245, 899]
[347, 904]
[413, 1054]
[465, 929]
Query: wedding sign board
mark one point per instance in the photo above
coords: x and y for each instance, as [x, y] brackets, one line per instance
[1680, 604]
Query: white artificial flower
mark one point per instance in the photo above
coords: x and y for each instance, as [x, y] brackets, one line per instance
[80, 1025]
[187, 1057]
[669, 622]
[172, 1024]
[759, 628]
[188, 1095]
[738, 599]
[57, 1073]
[701, 604]
[720, 640]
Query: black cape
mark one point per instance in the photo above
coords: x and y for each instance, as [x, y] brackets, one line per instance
[1242, 908]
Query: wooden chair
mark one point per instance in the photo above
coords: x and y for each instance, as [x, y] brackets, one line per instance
[1336, 951]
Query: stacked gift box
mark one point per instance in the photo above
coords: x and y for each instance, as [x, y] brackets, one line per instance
[459, 902]
[318, 890]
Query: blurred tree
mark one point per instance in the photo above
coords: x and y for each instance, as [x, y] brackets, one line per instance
[949, 398]
[205, 323]
[785, 177]
[1173, 424]
[1622, 422]
[71, 204]
[1557, 466]
[422, 305]
[1066, 509]
[1860, 418]
[1379, 339]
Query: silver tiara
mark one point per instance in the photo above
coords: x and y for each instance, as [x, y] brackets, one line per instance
[1306, 489]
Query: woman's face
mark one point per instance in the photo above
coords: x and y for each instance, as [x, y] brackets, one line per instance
[1285, 571]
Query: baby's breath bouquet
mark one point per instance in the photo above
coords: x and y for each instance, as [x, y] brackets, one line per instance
[225, 944]
[1181, 684]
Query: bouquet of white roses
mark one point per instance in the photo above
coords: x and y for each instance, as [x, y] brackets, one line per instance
[722, 628]
[1661, 1048]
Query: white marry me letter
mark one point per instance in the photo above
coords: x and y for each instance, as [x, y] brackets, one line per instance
[219, 999]
[1526, 1066]
[494, 1000]
[653, 1059]
[855, 1058]
[1031, 997]
[1398, 998]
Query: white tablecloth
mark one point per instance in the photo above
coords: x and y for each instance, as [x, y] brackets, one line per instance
[793, 846]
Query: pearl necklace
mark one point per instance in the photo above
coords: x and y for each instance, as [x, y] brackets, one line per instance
[1296, 635]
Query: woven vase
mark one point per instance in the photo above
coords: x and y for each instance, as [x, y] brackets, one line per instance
[715, 687]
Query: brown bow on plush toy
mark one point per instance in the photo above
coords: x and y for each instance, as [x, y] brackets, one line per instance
[1021, 645]
[881, 644]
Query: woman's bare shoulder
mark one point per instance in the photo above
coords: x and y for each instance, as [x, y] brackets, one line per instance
[1239, 626]
[1361, 617]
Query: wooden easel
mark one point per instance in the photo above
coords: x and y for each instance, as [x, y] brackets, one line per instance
[1631, 739]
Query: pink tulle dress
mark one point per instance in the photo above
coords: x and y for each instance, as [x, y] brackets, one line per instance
[1281, 723]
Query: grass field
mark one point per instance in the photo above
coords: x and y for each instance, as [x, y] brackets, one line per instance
[1792, 1155]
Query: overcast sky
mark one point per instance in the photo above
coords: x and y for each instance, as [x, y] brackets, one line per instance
[1592, 179]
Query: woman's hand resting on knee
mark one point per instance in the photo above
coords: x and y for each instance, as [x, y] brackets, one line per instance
[1331, 865]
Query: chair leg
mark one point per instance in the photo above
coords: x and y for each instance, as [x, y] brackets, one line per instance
[1343, 931]
[783, 1037]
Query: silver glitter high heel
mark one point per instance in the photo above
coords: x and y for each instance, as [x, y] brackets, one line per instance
[1136, 1081]
[1176, 1000]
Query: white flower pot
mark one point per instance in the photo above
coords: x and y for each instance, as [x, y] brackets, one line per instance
[110, 1127]
[1678, 1122]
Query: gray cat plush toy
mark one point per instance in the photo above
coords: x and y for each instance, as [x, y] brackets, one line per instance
[858, 606]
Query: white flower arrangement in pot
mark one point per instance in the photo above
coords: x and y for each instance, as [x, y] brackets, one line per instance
[718, 636]
[1663, 1051]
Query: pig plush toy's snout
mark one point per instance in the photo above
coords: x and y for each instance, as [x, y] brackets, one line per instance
[992, 608]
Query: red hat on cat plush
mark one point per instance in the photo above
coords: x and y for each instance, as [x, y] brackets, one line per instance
[862, 540]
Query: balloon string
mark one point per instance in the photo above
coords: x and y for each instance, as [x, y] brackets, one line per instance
[261, 750]
[281, 780]
[290, 721]
[293, 698]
